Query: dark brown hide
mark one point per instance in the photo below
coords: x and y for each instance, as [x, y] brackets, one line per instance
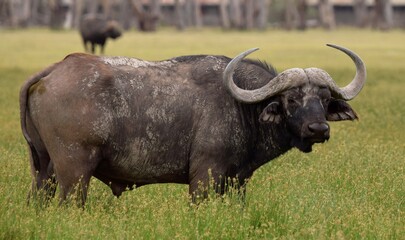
[133, 122]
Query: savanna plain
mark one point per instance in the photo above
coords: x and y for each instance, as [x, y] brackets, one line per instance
[352, 187]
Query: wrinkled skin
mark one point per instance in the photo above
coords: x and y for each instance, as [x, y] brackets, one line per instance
[130, 122]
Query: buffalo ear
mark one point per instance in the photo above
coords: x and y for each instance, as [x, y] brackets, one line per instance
[271, 113]
[339, 110]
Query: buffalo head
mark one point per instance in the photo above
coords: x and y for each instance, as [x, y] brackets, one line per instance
[113, 30]
[301, 100]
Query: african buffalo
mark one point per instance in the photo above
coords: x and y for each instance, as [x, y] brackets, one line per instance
[130, 122]
[96, 29]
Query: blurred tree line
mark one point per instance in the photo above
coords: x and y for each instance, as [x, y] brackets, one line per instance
[147, 15]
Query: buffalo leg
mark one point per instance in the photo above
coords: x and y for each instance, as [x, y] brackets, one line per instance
[43, 183]
[85, 46]
[74, 168]
[93, 48]
[102, 49]
[207, 182]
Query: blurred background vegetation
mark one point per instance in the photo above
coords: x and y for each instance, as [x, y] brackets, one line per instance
[149, 15]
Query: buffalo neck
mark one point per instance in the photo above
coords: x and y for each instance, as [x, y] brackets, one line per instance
[268, 141]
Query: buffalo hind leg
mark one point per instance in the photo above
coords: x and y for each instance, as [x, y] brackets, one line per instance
[74, 188]
[102, 49]
[43, 178]
[86, 49]
[44, 183]
[93, 48]
[74, 173]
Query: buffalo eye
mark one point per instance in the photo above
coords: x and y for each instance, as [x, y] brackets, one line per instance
[292, 101]
[292, 105]
[325, 101]
[325, 96]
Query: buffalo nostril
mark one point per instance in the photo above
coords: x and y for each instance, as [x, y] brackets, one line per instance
[318, 127]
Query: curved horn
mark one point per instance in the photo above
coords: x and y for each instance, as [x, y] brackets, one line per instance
[354, 87]
[287, 79]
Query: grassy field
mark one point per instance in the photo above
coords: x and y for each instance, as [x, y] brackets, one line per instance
[352, 187]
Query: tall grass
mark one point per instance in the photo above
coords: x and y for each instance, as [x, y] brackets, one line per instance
[349, 188]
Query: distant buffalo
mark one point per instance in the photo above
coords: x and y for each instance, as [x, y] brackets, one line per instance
[96, 29]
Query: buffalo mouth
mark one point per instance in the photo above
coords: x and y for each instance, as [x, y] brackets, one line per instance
[305, 144]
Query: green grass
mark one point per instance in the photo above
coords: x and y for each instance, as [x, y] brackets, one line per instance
[352, 187]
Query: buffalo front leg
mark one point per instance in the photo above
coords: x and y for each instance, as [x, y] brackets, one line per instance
[206, 183]
[209, 183]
